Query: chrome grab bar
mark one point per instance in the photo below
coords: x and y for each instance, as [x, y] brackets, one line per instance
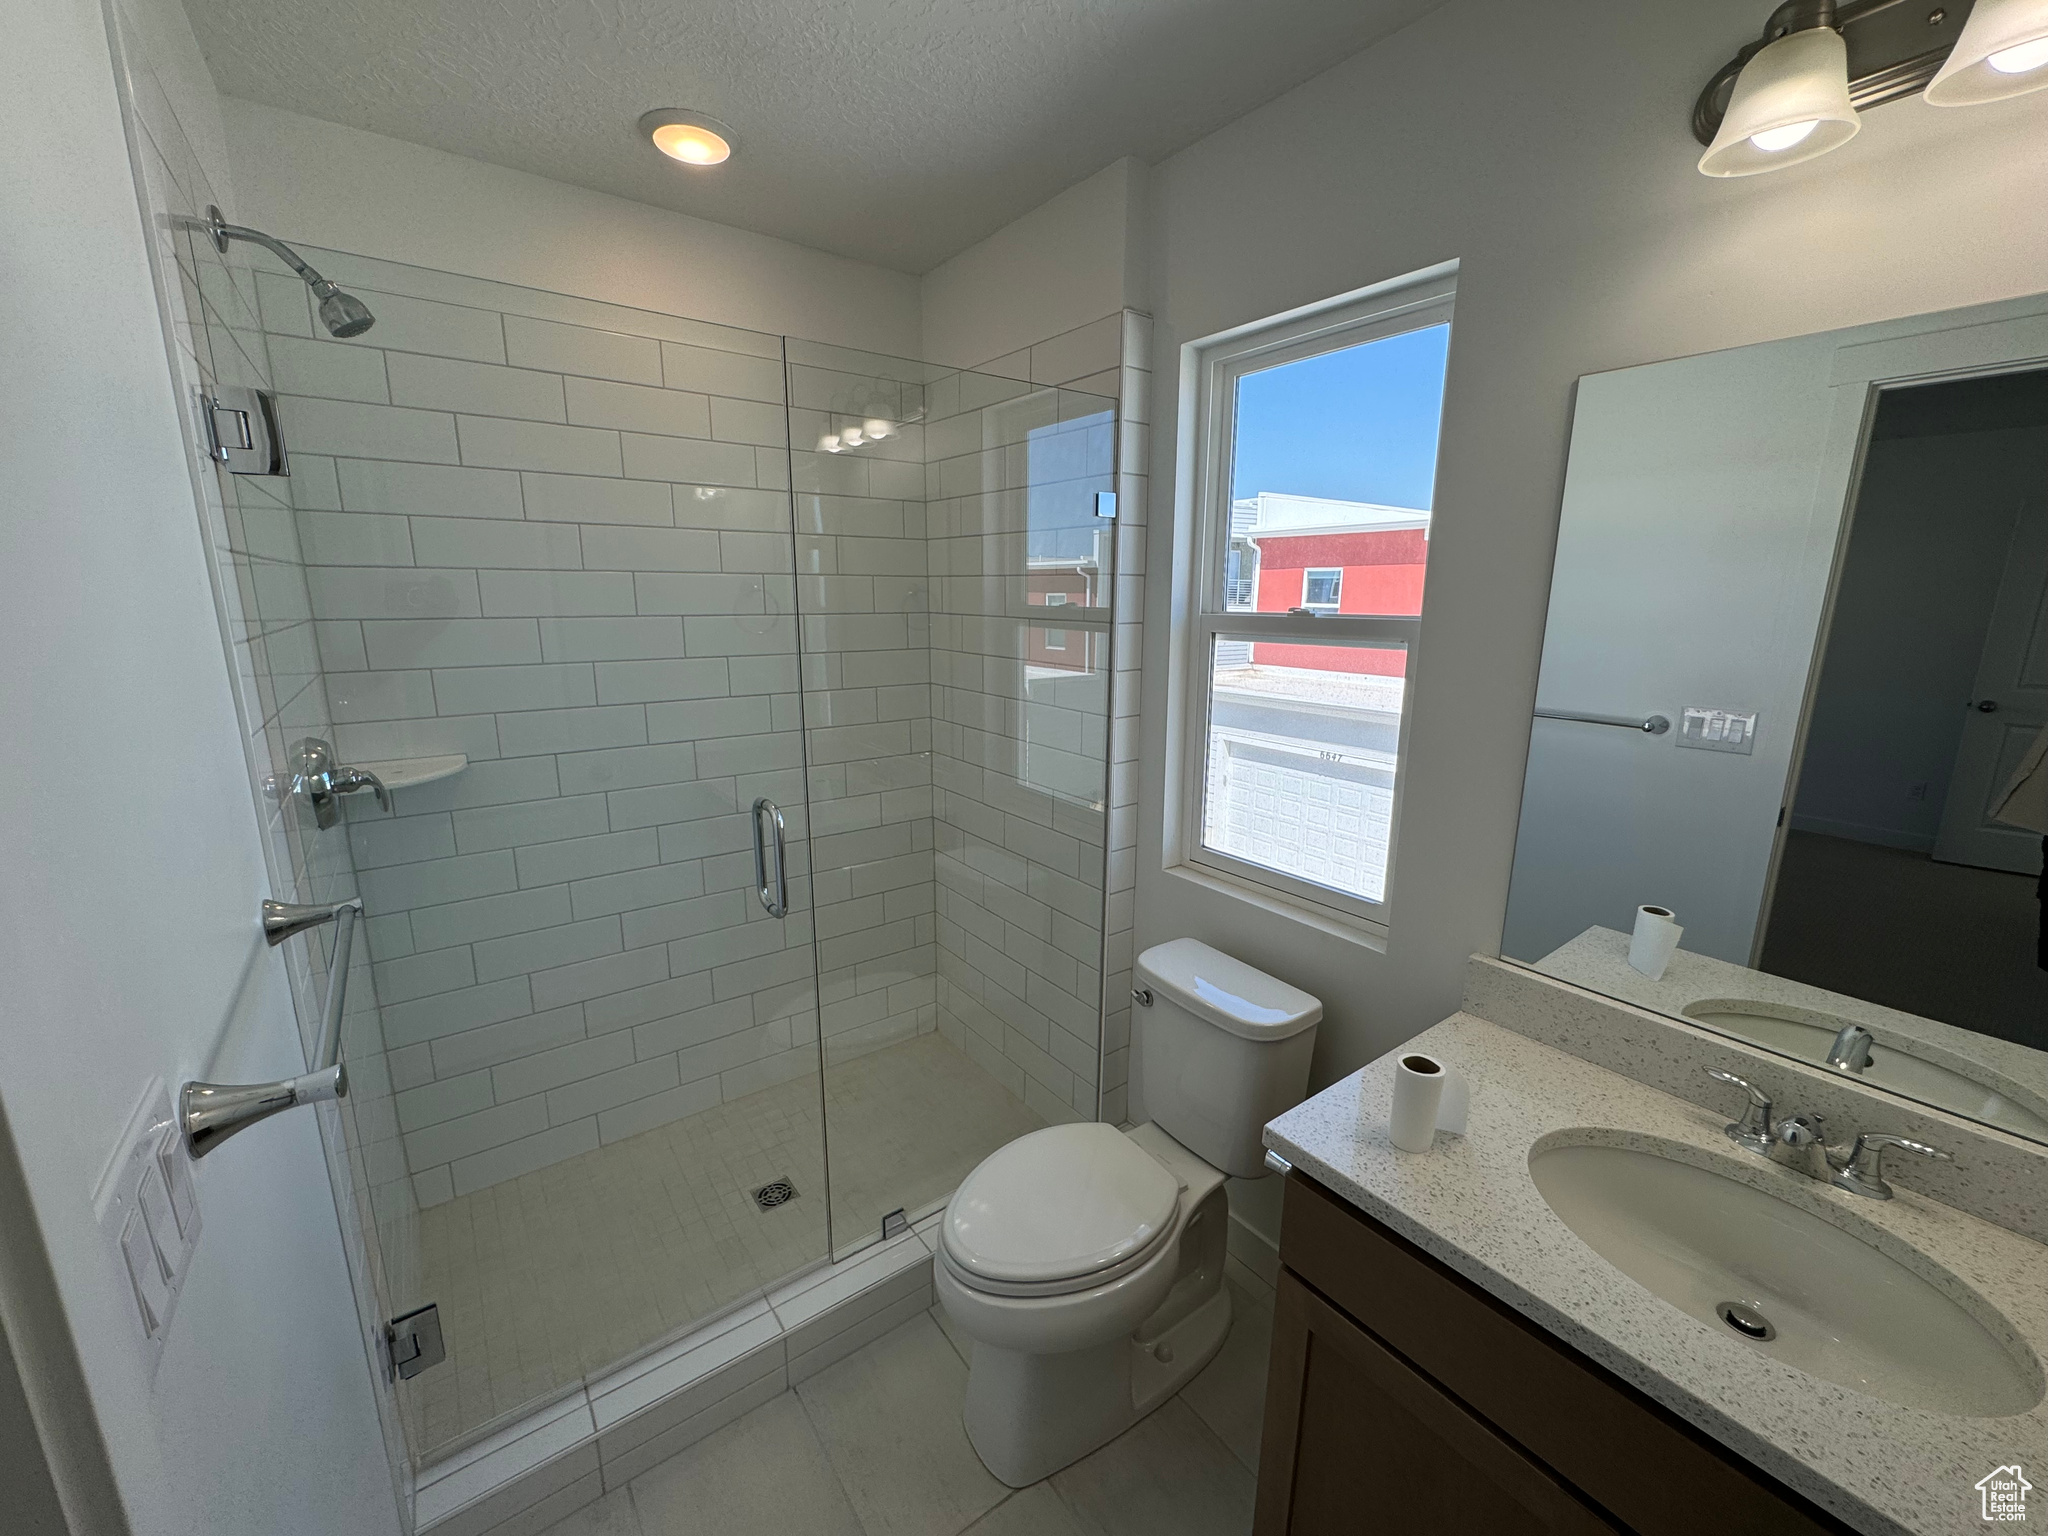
[209, 1113]
[776, 904]
[1650, 725]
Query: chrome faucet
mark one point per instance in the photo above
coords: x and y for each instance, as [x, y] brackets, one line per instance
[318, 785]
[1799, 1141]
[1851, 1050]
[1755, 1130]
[1863, 1169]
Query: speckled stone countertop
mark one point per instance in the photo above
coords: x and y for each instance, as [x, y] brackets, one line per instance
[1879, 1465]
[1598, 960]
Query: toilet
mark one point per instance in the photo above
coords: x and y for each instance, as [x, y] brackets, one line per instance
[1086, 1263]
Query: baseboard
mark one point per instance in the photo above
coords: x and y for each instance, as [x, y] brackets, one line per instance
[1861, 832]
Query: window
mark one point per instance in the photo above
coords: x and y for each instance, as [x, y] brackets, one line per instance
[1317, 459]
[1240, 574]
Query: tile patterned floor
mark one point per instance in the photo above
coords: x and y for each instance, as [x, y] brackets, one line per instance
[557, 1275]
[906, 1124]
[873, 1446]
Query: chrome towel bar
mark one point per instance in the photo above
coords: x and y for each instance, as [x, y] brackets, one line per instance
[210, 1113]
[1651, 725]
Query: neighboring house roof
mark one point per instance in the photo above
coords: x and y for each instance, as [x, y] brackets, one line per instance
[1271, 514]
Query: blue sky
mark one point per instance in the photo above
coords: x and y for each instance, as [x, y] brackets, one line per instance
[1355, 425]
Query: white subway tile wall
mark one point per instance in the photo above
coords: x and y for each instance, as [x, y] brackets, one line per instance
[542, 543]
[254, 547]
[573, 543]
[1022, 714]
[1133, 389]
[864, 583]
[600, 613]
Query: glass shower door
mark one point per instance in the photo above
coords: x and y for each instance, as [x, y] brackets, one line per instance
[953, 562]
[549, 550]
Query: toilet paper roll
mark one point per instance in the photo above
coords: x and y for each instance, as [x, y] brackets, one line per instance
[1655, 940]
[1418, 1095]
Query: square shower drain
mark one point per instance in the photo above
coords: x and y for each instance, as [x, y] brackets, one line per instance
[775, 1192]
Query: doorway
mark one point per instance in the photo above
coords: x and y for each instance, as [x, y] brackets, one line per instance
[1896, 877]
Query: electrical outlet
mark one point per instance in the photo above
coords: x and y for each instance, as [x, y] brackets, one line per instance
[1718, 730]
[147, 1206]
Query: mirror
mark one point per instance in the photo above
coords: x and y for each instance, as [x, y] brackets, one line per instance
[1786, 774]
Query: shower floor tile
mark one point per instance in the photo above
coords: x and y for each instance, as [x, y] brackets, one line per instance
[557, 1275]
[908, 1123]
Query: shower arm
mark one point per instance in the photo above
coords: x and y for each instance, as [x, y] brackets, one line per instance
[217, 226]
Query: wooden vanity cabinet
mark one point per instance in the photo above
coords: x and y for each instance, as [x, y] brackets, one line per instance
[1403, 1399]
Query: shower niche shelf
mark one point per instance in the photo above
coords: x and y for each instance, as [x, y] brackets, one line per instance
[411, 772]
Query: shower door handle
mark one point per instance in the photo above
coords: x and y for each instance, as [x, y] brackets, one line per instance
[775, 899]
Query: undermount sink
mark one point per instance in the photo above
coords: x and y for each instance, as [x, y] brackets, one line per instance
[1904, 1066]
[1781, 1278]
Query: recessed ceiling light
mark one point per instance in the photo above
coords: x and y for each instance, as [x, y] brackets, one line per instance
[690, 137]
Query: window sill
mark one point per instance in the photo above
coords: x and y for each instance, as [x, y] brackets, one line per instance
[1363, 932]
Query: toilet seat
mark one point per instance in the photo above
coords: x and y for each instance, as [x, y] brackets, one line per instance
[1062, 1210]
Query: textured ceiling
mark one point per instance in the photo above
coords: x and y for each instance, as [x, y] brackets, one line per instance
[895, 131]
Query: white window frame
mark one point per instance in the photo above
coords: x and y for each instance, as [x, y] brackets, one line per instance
[1215, 366]
[1309, 573]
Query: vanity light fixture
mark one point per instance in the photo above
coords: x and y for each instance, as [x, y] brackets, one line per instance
[871, 430]
[1796, 91]
[690, 137]
[2003, 52]
[1789, 103]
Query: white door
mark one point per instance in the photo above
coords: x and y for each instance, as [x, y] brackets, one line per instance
[2006, 711]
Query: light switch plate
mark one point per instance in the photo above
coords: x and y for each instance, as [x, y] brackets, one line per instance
[1718, 730]
[147, 1206]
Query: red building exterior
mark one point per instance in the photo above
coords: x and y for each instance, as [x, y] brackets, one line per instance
[1380, 571]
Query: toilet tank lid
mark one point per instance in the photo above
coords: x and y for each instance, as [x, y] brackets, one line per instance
[1227, 992]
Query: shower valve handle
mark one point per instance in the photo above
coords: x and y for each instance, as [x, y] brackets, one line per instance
[318, 785]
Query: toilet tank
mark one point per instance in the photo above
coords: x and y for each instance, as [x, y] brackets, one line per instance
[1223, 1048]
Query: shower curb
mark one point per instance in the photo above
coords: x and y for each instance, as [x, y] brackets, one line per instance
[528, 1476]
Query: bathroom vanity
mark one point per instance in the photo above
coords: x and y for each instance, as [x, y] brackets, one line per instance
[1518, 1331]
[1399, 1387]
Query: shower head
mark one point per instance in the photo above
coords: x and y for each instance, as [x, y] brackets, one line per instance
[342, 313]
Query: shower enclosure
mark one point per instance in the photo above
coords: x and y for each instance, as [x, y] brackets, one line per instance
[746, 704]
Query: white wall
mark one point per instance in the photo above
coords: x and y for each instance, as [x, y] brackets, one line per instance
[1692, 567]
[1545, 148]
[131, 865]
[1927, 548]
[306, 180]
[1067, 262]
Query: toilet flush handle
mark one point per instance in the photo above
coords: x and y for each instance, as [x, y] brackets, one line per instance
[1142, 996]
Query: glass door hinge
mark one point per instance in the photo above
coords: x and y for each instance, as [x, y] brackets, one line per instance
[412, 1343]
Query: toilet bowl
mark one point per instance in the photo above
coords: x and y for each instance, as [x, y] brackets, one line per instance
[1086, 1263]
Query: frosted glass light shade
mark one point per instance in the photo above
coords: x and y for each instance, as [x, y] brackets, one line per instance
[1801, 79]
[689, 137]
[2003, 52]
